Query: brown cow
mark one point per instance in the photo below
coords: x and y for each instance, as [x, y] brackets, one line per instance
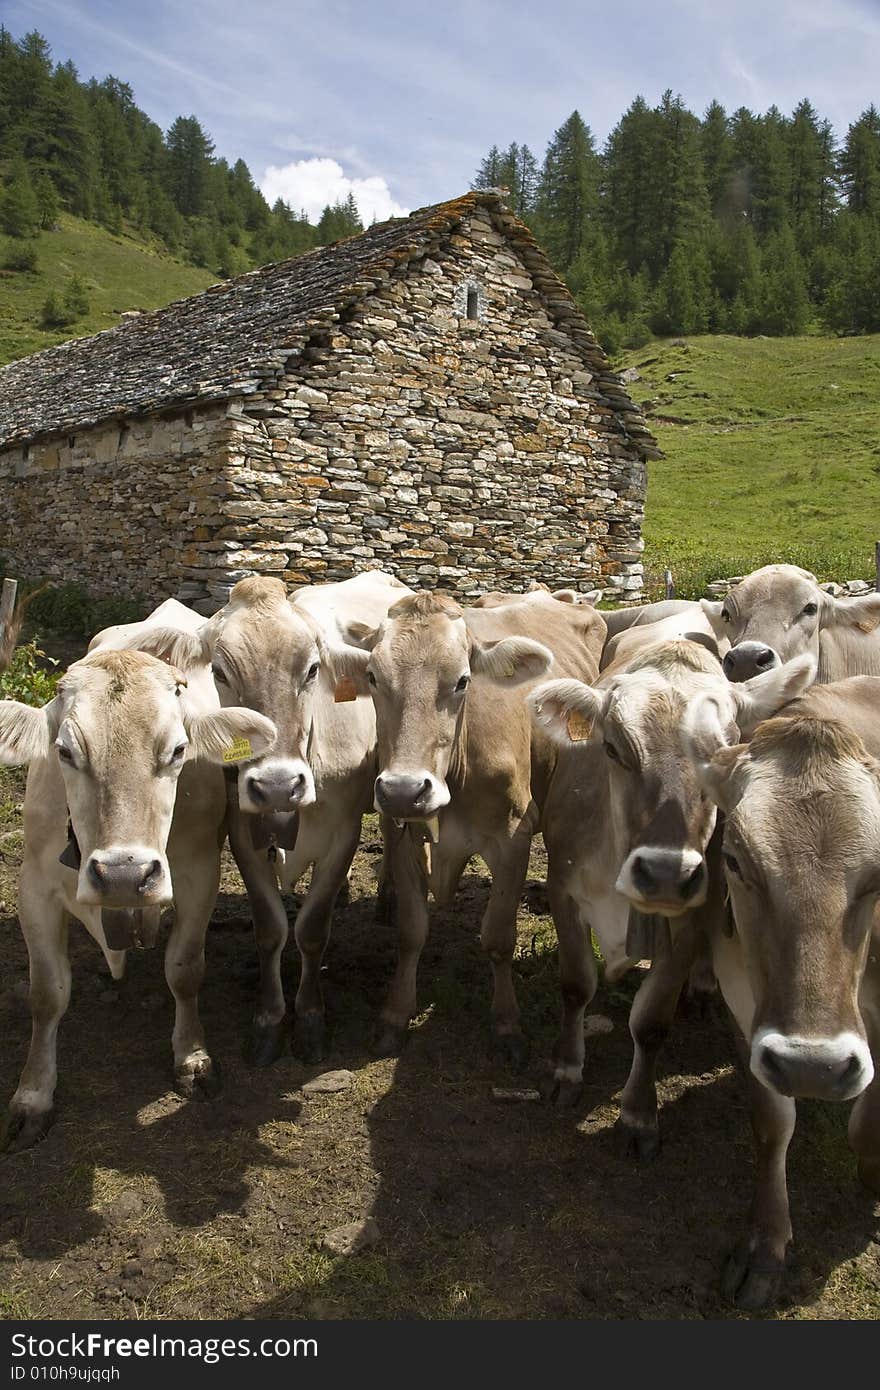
[108, 842]
[461, 768]
[627, 828]
[780, 611]
[800, 970]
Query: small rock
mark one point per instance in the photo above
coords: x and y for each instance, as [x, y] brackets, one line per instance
[631, 374]
[127, 1205]
[594, 1024]
[328, 1083]
[348, 1240]
[510, 1094]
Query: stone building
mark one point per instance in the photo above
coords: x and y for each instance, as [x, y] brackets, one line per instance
[425, 397]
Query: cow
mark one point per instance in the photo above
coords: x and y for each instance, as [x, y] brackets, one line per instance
[644, 614]
[461, 772]
[123, 812]
[685, 619]
[302, 805]
[798, 962]
[779, 611]
[627, 832]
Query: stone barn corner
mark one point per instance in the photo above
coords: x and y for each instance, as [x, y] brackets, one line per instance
[425, 398]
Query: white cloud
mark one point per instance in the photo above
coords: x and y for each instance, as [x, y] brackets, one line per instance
[310, 184]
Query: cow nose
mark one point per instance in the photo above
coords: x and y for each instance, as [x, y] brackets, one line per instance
[122, 876]
[277, 793]
[833, 1069]
[749, 659]
[667, 876]
[405, 796]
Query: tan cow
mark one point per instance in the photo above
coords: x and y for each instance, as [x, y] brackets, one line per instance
[800, 969]
[461, 772]
[686, 619]
[123, 812]
[780, 611]
[626, 827]
[302, 804]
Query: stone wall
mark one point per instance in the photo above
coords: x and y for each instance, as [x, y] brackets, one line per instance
[468, 453]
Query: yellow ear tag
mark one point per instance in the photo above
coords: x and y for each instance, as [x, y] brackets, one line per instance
[345, 690]
[238, 750]
[579, 728]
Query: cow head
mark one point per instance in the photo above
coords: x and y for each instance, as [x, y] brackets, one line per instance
[801, 857]
[779, 612]
[418, 666]
[662, 820]
[120, 736]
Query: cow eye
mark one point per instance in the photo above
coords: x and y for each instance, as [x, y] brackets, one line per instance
[312, 671]
[179, 753]
[372, 679]
[219, 676]
[612, 752]
[810, 610]
[462, 684]
[733, 864]
[725, 613]
[64, 754]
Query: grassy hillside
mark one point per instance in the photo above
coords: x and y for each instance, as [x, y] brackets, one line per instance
[772, 453]
[118, 272]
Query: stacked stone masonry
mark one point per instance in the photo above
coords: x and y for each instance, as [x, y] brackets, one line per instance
[466, 453]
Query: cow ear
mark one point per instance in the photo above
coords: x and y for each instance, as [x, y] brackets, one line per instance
[712, 611]
[862, 613]
[568, 711]
[185, 650]
[510, 661]
[232, 735]
[360, 635]
[764, 695]
[565, 595]
[710, 741]
[24, 733]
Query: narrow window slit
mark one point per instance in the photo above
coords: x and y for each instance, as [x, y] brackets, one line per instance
[473, 304]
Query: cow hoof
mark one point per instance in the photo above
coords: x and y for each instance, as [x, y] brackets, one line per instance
[265, 1045]
[697, 1004]
[198, 1079]
[510, 1050]
[752, 1278]
[561, 1091]
[389, 1040]
[638, 1141]
[869, 1174]
[23, 1128]
[308, 1037]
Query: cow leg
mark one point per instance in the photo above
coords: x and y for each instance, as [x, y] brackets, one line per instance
[44, 926]
[410, 874]
[196, 882]
[754, 1270]
[270, 933]
[637, 1132]
[508, 865]
[385, 903]
[578, 977]
[312, 932]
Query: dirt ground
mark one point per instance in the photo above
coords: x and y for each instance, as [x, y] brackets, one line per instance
[139, 1204]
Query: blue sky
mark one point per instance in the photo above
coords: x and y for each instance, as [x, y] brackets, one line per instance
[398, 100]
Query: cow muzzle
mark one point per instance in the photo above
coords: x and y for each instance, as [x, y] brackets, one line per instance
[410, 796]
[836, 1068]
[276, 787]
[129, 876]
[749, 659]
[664, 881]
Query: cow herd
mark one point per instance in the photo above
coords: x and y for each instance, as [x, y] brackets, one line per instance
[706, 778]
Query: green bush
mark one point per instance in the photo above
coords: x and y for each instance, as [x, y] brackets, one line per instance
[69, 610]
[53, 313]
[27, 677]
[22, 257]
[76, 299]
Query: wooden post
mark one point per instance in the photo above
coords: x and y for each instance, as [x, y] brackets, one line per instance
[670, 587]
[877, 566]
[7, 604]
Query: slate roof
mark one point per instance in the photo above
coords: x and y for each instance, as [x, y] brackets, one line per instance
[239, 335]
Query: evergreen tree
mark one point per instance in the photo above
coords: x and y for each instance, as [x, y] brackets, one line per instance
[76, 299]
[19, 209]
[785, 306]
[716, 148]
[567, 212]
[189, 154]
[48, 205]
[859, 165]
